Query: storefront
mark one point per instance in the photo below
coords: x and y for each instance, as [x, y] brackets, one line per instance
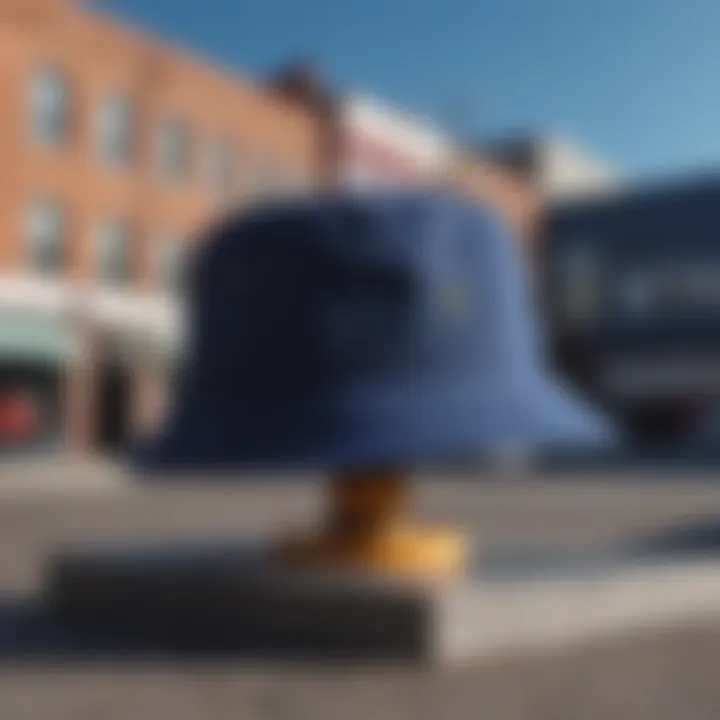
[82, 370]
[135, 373]
[35, 351]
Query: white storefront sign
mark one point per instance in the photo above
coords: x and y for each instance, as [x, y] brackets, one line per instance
[150, 315]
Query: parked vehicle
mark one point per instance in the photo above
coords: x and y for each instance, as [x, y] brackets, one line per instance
[631, 289]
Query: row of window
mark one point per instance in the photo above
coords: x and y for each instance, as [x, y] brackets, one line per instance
[46, 246]
[52, 122]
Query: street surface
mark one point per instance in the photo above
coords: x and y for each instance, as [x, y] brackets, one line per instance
[45, 673]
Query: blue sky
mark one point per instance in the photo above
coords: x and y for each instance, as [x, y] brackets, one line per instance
[636, 81]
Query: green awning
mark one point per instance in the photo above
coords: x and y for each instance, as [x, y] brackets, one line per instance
[34, 338]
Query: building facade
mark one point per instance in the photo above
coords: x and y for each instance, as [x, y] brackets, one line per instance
[633, 301]
[559, 171]
[379, 146]
[367, 143]
[116, 150]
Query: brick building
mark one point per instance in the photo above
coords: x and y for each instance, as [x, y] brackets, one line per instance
[366, 143]
[115, 150]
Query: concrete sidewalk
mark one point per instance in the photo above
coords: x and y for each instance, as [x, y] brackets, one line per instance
[59, 475]
[656, 675]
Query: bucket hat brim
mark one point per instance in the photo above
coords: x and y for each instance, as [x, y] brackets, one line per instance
[381, 426]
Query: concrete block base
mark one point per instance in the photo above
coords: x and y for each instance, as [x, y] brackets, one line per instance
[235, 599]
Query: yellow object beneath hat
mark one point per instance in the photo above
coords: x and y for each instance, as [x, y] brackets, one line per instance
[368, 529]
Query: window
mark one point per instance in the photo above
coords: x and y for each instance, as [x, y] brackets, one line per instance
[175, 152]
[581, 283]
[222, 168]
[46, 236]
[114, 252]
[116, 131]
[171, 262]
[51, 108]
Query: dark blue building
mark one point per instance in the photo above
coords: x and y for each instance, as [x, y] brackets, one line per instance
[632, 294]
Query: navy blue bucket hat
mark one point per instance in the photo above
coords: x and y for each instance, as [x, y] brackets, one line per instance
[358, 331]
